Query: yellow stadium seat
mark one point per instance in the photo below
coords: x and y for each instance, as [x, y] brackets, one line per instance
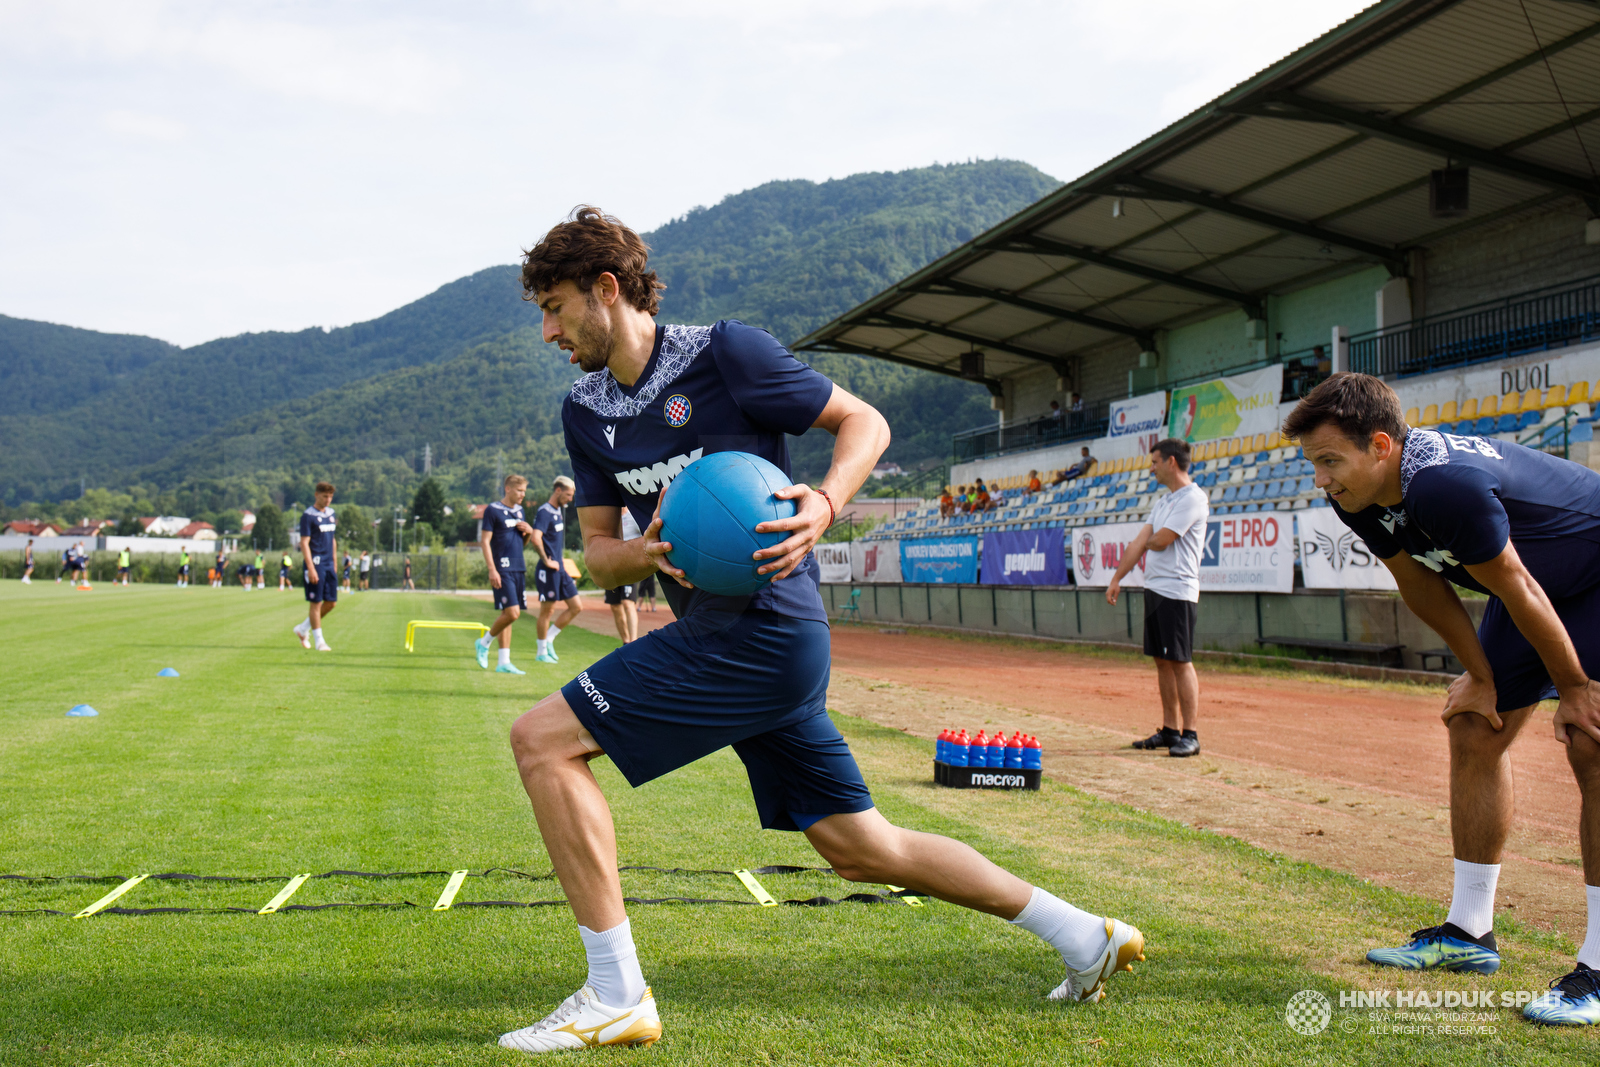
[1259, 444]
[1469, 409]
[1556, 397]
[1235, 446]
[1412, 418]
[1488, 407]
[1274, 439]
[1511, 404]
[1208, 450]
[1447, 412]
[1531, 400]
[1578, 394]
[1430, 415]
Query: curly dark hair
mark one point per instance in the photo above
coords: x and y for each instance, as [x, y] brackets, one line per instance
[1358, 404]
[587, 244]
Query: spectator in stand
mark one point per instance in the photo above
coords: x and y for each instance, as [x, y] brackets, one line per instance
[1080, 468]
[947, 504]
[1034, 485]
[982, 502]
[963, 501]
[1057, 418]
[1174, 537]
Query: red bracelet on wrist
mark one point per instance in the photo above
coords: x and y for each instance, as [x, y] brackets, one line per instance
[833, 512]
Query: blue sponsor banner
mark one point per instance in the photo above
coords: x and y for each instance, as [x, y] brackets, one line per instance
[1025, 557]
[939, 560]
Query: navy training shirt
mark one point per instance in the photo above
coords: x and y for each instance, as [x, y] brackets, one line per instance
[505, 540]
[552, 527]
[319, 526]
[723, 388]
[1465, 497]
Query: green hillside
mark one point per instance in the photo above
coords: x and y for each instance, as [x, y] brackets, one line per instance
[245, 418]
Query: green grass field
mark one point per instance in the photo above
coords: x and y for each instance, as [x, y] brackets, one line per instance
[264, 759]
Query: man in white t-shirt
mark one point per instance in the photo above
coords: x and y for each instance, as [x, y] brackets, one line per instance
[1174, 538]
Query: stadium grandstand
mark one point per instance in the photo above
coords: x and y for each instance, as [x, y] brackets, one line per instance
[1414, 194]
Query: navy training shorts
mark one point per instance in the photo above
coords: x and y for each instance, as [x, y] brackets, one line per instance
[755, 680]
[513, 591]
[1520, 677]
[325, 589]
[554, 585]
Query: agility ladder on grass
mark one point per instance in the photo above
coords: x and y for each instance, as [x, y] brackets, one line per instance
[447, 897]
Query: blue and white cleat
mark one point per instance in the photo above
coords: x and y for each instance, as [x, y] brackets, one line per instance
[546, 657]
[506, 668]
[1445, 947]
[481, 647]
[1573, 1000]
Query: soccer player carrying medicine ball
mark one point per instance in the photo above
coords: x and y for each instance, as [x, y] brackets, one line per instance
[750, 672]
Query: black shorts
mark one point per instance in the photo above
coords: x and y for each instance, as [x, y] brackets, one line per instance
[325, 589]
[553, 585]
[1169, 627]
[755, 680]
[646, 588]
[513, 591]
[1520, 676]
[621, 593]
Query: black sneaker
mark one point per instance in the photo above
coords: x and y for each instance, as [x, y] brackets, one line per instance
[1187, 745]
[1160, 739]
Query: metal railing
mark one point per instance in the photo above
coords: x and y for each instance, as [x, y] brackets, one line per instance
[1093, 421]
[1527, 322]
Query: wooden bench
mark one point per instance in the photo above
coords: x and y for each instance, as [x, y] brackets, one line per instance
[1443, 655]
[431, 624]
[1384, 655]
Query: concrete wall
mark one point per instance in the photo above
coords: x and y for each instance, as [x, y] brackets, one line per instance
[1227, 621]
[1534, 249]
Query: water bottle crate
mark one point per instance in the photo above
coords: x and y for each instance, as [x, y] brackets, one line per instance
[985, 777]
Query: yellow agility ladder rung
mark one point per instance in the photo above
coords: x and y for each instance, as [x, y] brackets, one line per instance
[763, 897]
[111, 897]
[915, 902]
[451, 888]
[283, 895]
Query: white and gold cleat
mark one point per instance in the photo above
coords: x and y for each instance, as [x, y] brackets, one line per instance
[1124, 944]
[583, 1022]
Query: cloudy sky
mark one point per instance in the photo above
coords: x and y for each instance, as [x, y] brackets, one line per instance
[191, 170]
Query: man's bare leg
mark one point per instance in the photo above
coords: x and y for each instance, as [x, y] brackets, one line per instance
[502, 625]
[1168, 682]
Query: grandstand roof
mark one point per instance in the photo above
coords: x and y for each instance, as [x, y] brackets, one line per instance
[1315, 167]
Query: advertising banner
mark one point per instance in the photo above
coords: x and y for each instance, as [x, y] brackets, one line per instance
[1096, 551]
[1227, 407]
[1027, 557]
[875, 561]
[1333, 557]
[1140, 415]
[1248, 554]
[834, 560]
[940, 560]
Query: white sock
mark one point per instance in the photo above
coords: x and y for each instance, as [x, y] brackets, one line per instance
[614, 972]
[1589, 954]
[554, 632]
[1472, 903]
[505, 657]
[305, 625]
[544, 645]
[316, 637]
[1077, 935]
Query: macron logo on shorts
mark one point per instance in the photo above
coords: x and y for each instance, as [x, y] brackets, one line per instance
[600, 702]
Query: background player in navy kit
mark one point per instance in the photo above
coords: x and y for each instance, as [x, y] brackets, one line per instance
[501, 535]
[551, 579]
[27, 563]
[751, 672]
[1523, 527]
[319, 549]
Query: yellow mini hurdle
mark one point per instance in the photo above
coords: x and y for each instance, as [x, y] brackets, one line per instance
[432, 624]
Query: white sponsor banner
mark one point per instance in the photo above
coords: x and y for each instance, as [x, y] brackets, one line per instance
[1333, 557]
[1241, 554]
[1139, 416]
[875, 561]
[835, 561]
[1248, 553]
[1096, 551]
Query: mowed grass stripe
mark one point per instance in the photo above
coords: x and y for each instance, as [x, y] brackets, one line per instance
[266, 759]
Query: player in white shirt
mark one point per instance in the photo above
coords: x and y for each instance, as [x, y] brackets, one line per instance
[1171, 544]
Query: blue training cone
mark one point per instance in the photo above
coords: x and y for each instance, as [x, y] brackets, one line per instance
[82, 711]
[166, 672]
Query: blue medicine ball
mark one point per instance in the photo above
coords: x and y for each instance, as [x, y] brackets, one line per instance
[709, 515]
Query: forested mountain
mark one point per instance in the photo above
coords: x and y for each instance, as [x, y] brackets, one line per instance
[241, 419]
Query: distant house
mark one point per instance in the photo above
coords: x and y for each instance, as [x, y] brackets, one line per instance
[886, 468]
[247, 521]
[87, 528]
[33, 528]
[197, 531]
[477, 510]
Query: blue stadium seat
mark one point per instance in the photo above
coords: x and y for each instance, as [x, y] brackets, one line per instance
[1506, 424]
[1274, 490]
[1258, 490]
[1230, 494]
[1484, 425]
[1278, 469]
[1308, 484]
[1529, 420]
